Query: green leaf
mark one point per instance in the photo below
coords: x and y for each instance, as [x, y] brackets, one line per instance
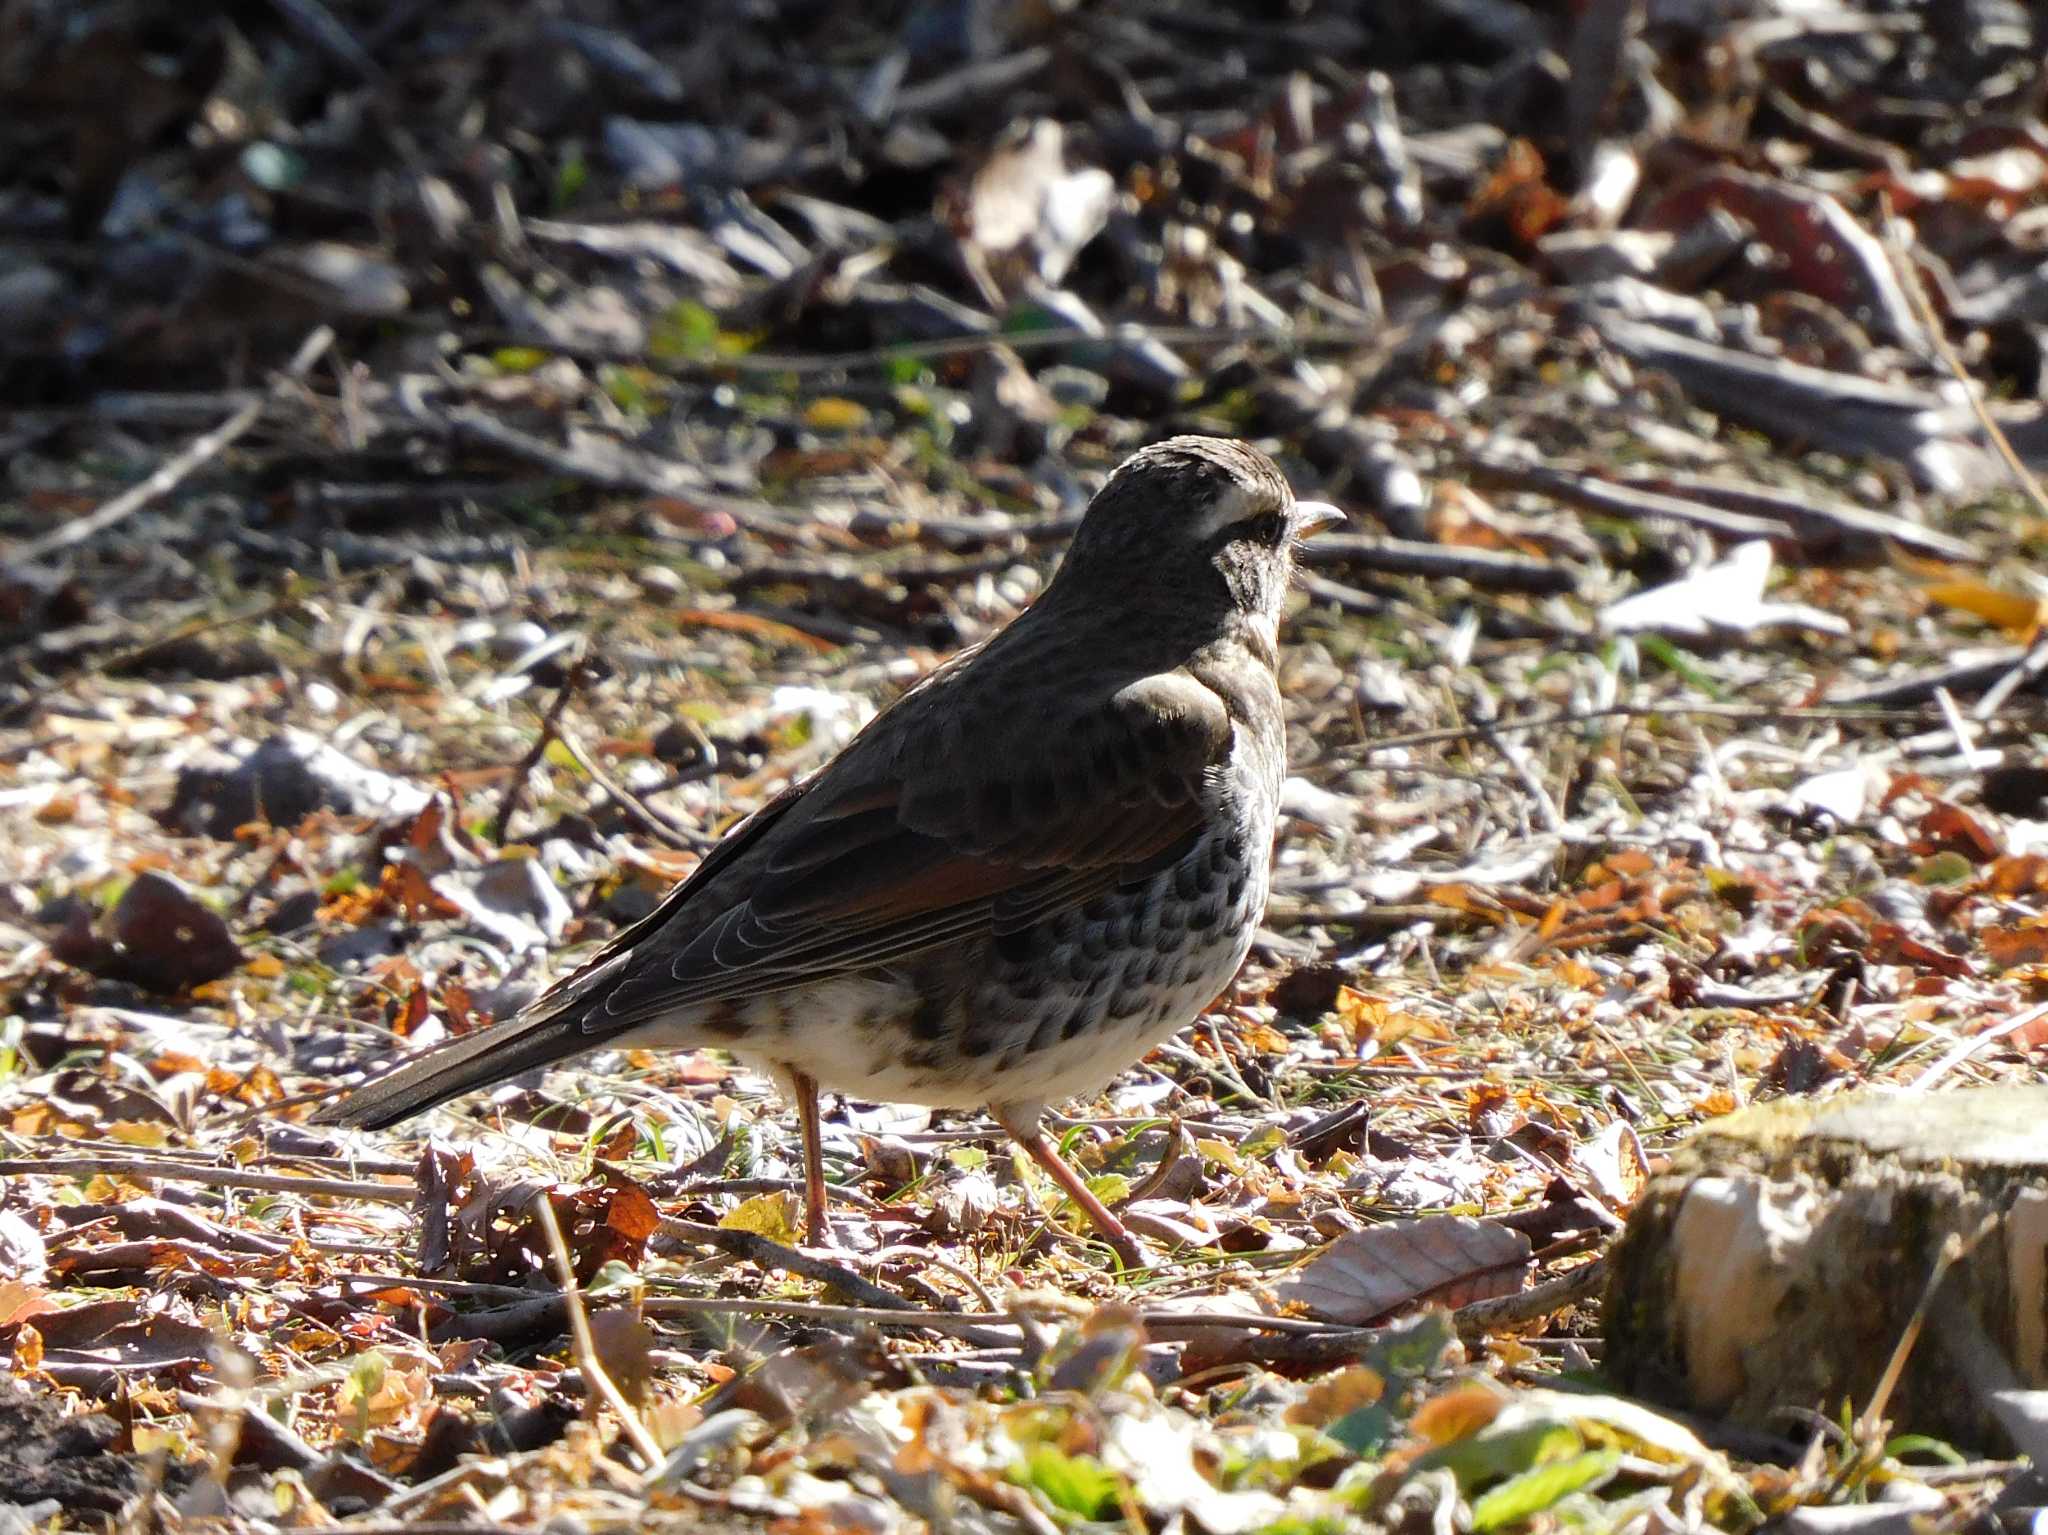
[570, 177]
[687, 329]
[1505, 1449]
[631, 389]
[1902, 1445]
[365, 1379]
[518, 359]
[1110, 1188]
[1076, 1483]
[1945, 868]
[1676, 661]
[1412, 1347]
[614, 1277]
[1364, 1430]
[1532, 1492]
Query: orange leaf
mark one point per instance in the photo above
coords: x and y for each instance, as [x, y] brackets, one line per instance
[2024, 943]
[2018, 874]
[632, 1214]
[1949, 826]
[1453, 1414]
[2012, 611]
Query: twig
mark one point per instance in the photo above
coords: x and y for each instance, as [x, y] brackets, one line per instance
[1954, 1248]
[1973, 1044]
[1491, 568]
[1613, 497]
[1150, 1184]
[1957, 676]
[550, 728]
[1517, 756]
[1748, 713]
[661, 828]
[179, 466]
[2030, 667]
[819, 1311]
[1053, 337]
[839, 1192]
[325, 31]
[594, 1373]
[756, 1248]
[1345, 599]
[218, 1177]
[1965, 742]
[1923, 307]
[1527, 1305]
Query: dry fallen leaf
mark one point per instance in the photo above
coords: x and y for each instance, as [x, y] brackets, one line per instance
[1452, 1259]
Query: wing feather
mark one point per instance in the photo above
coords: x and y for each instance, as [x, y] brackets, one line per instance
[891, 853]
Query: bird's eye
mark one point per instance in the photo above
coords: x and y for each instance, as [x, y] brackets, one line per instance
[1268, 528]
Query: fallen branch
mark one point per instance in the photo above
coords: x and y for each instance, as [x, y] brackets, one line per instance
[176, 469]
[1816, 524]
[1538, 1301]
[1613, 498]
[216, 1177]
[1843, 710]
[1491, 568]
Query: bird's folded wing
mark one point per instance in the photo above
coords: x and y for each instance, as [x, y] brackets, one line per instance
[887, 855]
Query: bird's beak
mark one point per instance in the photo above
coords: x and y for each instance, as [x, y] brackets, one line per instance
[1311, 517]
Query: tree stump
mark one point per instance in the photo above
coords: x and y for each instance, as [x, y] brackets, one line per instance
[1780, 1259]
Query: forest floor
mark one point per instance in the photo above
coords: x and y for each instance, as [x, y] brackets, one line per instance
[462, 458]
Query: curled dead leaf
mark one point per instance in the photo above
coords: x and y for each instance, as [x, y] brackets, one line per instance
[1452, 1259]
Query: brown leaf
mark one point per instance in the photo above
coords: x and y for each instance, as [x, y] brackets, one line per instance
[2023, 943]
[1893, 945]
[624, 1343]
[2017, 874]
[1948, 826]
[1448, 1258]
[632, 1214]
[1516, 205]
[158, 937]
[1334, 1396]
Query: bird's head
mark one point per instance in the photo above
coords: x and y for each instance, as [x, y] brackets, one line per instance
[1195, 520]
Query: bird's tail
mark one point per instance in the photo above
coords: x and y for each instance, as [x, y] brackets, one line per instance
[547, 1032]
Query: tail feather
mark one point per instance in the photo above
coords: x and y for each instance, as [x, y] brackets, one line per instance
[548, 1032]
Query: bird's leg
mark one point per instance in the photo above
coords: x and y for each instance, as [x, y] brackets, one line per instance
[1034, 1140]
[804, 1089]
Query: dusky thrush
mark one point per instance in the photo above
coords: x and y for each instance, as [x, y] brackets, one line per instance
[1042, 860]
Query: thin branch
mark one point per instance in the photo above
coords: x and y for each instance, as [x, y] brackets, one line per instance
[217, 1177]
[662, 829]
[594, 1373]
[1750, 713]
[1582, 1283]
[550, 730]
[756, 1248]
[174, 470]
[1053, 337]
[1923, 307]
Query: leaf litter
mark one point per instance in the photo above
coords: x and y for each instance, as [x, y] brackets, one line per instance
[533, 499]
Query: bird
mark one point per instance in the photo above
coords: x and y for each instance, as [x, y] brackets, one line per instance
[1042, 860]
